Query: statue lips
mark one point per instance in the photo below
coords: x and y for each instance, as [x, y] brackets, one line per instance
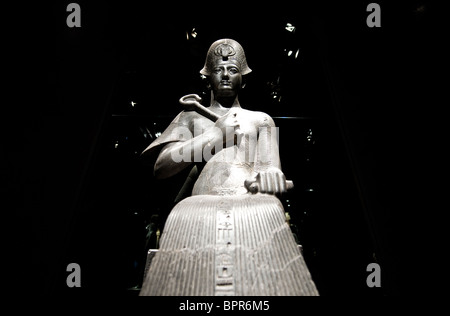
[225, 83]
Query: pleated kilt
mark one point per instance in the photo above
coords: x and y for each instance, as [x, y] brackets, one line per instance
[228, 245]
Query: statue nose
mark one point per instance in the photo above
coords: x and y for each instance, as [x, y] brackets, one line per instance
[225, 74]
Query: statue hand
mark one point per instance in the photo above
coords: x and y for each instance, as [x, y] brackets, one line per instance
[272, 181]
[229, 125]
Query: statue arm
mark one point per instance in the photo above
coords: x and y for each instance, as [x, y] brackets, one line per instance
[174, 150]
[269, 177]
[268, 156]
[176, 156]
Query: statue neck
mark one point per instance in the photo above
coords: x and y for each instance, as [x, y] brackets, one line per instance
[223, 102]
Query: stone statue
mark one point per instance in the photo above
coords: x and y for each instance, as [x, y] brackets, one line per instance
[227, 234]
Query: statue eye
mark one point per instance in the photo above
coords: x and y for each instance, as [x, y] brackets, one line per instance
[217, 70]
[234, 70]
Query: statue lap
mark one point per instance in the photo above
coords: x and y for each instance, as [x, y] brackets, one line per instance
[228, 245]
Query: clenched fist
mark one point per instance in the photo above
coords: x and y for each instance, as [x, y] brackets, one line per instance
[271, 181]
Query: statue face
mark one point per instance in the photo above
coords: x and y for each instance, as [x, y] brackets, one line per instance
[226, 79]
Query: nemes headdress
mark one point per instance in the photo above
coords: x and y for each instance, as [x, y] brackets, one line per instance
[225, 49]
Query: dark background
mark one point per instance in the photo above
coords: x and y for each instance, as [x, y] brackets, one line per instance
[356, 108]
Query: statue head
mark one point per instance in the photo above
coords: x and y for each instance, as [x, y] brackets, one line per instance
[225, 65]
[225, 50]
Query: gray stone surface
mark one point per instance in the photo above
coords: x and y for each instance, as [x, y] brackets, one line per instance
[230, 236]
[228, 246]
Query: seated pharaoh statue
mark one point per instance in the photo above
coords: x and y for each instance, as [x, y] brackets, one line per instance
[229, 236]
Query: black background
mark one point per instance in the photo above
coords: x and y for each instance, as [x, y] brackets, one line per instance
[367, 94]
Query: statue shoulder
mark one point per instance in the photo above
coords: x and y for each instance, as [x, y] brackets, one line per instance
[178, 130]
[263, 119]
[183, 118]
